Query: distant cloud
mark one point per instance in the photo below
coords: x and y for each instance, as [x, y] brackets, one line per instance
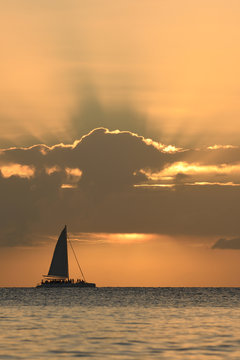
[233, 244]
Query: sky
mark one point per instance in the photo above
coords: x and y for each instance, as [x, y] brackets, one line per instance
[121, 120]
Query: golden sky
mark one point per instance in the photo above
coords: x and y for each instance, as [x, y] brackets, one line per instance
[136, 105]
[170, 67]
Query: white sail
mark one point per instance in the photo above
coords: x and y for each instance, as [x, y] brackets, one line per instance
[59, 264]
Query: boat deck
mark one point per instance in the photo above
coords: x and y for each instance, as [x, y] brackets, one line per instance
[65, 284]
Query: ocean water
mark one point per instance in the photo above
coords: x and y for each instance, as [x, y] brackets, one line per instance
[120, 323]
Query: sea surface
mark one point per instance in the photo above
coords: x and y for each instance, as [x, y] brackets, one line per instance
[120, 323]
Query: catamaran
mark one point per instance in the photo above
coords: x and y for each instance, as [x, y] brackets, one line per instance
[58, 274]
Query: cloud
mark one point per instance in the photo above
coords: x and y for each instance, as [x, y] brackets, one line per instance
[101, 154]
[233, 244]
[107, 182]
[222, 174]
[42, 187]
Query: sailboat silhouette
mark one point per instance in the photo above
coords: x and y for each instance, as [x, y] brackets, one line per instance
[58, 274]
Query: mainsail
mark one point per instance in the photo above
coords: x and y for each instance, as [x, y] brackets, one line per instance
[59, 264]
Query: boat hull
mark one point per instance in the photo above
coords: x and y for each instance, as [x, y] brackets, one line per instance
[66, 285]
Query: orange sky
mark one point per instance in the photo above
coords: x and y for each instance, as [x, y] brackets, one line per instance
[157, 262]
[171, 67]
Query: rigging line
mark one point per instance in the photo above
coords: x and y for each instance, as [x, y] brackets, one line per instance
[76, 260]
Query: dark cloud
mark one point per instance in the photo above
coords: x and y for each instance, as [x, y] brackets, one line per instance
[233, 244]
[104, 198]
[181, 178]
[36, 205]
[99, 154]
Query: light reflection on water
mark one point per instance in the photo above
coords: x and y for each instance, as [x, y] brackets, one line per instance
[120, 323]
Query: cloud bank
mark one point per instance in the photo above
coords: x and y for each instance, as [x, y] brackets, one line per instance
[117, 182]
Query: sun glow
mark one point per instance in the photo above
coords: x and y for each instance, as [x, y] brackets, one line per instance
[22, 171]
[129, 238]
[52, 170]
[68, 186]
[76, 172]
[217, 147]
[190, 169]
[114, 238]
[229, 183]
